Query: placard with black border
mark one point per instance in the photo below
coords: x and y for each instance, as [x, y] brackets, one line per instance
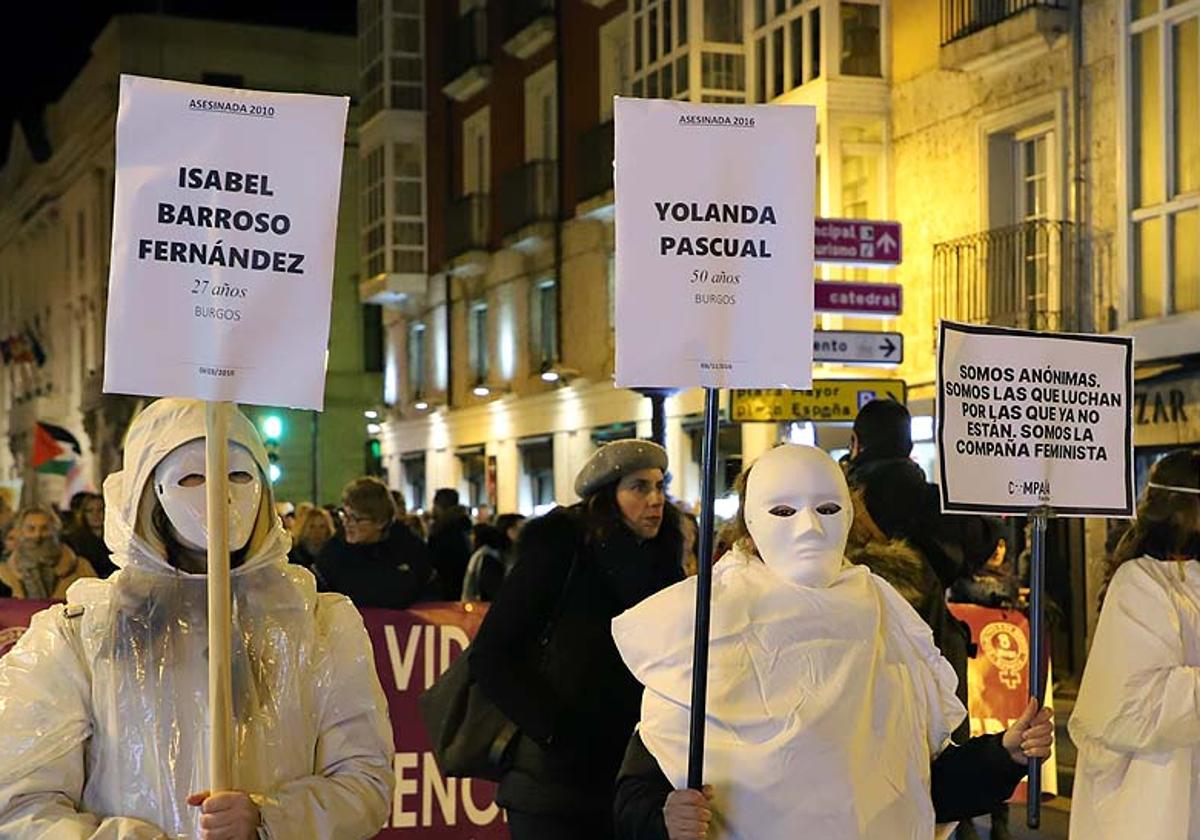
[1122, 460]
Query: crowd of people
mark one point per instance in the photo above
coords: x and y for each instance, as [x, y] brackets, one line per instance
[831, 636]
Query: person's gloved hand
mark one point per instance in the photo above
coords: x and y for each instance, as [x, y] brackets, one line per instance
[1031, 735]
[687, 814]
[226, 815]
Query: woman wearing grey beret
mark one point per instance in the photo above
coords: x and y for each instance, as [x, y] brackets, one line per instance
[545, 654]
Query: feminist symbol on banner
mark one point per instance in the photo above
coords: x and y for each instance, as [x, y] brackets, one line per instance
[1006, 647]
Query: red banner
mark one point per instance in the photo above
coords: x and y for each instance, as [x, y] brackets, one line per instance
[412, 649]
[998, 676]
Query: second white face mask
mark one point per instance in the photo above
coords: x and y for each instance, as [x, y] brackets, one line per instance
[799, 514]
[180, 485]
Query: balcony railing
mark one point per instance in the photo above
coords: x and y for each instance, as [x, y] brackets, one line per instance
[466, 43]
[595, 175]
[1037, 275]
[528, 194]
[961, 18]
[467, 225]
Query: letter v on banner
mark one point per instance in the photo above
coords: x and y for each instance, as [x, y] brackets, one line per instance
[680, 323]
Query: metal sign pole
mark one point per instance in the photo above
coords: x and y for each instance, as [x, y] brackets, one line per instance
[1039, 518]
[708, 480]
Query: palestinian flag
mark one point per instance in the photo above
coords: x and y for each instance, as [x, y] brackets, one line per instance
[55, 450]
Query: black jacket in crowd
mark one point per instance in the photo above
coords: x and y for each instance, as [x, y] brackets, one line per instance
[572, 697]
[450, 547]
[83, 541]
[907, 507]
[967, 781]
[393, 573]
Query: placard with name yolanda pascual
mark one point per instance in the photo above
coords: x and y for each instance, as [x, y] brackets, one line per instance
[224, 226]
[1031, 419]
[714, 227]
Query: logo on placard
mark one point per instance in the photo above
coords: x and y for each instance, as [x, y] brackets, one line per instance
[8, 637]
[1006, 647]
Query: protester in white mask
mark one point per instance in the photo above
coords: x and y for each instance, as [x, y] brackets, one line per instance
[827, 700]
[103, 703]
[1137, 719]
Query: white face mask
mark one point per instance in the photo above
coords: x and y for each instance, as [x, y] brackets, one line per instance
[179, 484]
[799, 514]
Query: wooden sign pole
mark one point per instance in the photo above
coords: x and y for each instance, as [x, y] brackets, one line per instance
[220, 622]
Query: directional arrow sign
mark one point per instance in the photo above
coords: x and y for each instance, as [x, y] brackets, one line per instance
[858, 348]
[864, 242]
[878, 300]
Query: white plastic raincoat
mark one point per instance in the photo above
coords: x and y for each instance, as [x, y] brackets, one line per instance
[826, 706]
[1137, 720]
[103, 703]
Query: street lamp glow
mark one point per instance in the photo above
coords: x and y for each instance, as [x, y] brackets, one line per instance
[274, 473]
[374, 428]
[371, 414]
[272, 427]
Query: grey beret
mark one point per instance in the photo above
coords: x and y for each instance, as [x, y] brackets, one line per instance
[617, 459]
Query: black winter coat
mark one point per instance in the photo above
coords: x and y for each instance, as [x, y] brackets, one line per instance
[967, 781]
[450, 550]
[568, 690]
[393, 573]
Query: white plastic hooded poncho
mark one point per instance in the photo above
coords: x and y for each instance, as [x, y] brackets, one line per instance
[1137, 720]
[103, 703]
[827, 700]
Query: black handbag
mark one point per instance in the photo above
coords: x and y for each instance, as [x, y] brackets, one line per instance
[471, 737]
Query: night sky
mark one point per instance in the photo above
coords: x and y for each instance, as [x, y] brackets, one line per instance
[44, 43]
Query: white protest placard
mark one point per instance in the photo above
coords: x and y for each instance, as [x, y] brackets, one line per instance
[224, 226]
[714, 252]
[1030, 419]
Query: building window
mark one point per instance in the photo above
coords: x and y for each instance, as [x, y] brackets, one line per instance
[660, 66]
[787, 44]
[416, 360]
[474, 475]
[407, 76]
[477, 144]
[408, 209]
[374, 232]
[372, 337]
[615, 63]
[478, 334]
[371, 56]
[860, 40]
[544, 322]
[1164, 119]
[413, 464]
[541, 114]
[537, 467]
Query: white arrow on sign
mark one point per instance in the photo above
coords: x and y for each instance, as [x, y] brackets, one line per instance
[886, 243]
[858, 348]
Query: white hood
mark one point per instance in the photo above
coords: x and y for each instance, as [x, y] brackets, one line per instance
[164, 425]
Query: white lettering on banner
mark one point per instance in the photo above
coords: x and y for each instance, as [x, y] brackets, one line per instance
[433, 787]
[404, 787]
[435, 665]
[1031, 419]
